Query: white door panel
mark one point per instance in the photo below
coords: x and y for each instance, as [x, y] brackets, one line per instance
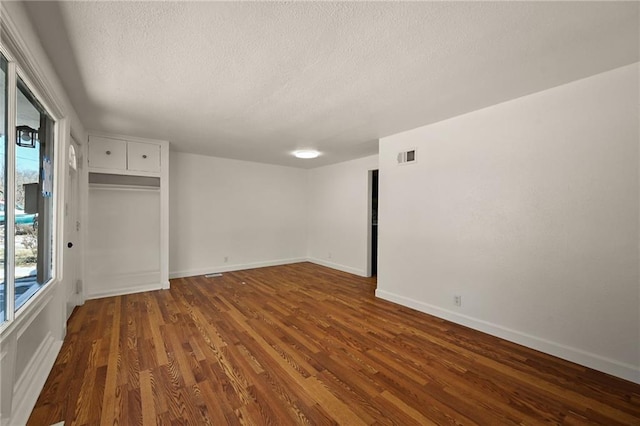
[72, 228]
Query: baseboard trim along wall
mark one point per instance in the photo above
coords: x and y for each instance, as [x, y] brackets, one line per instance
[596, 362]
[29, 385]
[119, 291]
[229, 268]
[240, 267]
[125, 283]
[338, 266]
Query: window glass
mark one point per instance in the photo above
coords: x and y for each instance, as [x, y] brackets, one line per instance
[3, 142]
[33, 251]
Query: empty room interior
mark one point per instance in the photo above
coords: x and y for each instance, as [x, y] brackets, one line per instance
[319, 213]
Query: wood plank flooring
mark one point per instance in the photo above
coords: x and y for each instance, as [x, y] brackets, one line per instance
[303, 344]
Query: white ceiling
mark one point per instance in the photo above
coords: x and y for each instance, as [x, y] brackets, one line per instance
[257, 80]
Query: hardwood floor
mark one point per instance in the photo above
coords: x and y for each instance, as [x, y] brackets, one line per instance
[303, 344]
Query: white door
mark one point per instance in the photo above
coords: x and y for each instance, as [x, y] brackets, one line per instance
[72, 231]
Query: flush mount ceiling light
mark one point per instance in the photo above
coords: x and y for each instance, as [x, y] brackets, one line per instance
[306, 153]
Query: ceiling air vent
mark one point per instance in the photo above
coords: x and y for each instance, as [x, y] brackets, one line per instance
[407, 157]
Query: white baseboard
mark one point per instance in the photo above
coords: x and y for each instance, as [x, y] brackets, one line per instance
[29, 385]
[229, 268]
[119, 291]
[123, 283]
[339, 267]
[587, 359]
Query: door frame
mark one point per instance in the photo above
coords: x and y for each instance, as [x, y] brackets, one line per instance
[73, 295]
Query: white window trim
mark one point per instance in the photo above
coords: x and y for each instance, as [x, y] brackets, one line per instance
[10, 182]
[23, 65]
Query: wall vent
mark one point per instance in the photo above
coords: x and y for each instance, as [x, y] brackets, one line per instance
[407, 157]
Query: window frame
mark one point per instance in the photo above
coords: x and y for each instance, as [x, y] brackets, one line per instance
[15, 70]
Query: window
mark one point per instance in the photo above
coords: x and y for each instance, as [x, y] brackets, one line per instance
[26, 193]
[3, 144]
[33, 196]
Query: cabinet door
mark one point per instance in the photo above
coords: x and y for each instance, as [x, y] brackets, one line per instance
[107, 153]
[143, 157]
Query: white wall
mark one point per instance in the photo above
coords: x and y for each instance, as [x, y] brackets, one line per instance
[123, 242]
[339, 215]
[529, 211]
[29, 345]
[253, 214]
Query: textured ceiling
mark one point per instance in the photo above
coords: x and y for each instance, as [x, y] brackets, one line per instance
[256, 80]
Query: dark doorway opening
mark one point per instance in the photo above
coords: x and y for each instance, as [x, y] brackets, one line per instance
[374, 223]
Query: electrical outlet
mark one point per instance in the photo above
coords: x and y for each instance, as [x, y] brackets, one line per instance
[457, 300]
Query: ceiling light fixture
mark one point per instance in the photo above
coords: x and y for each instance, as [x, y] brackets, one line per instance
[306, 153]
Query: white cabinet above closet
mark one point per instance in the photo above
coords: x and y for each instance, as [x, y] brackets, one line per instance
[107, 153]
[128, 221]
[123, 156]
[143, 157]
